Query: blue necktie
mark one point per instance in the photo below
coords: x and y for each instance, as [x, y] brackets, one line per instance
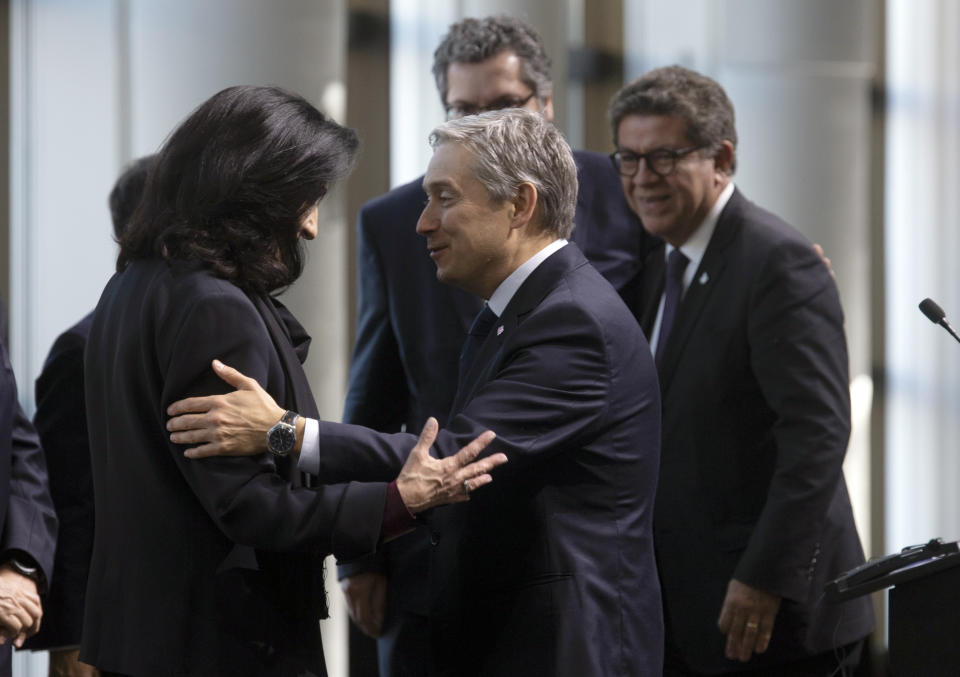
[482, 324]
[673, 290]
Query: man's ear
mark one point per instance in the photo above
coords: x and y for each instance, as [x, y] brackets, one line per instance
[524, 204]
[723, 158]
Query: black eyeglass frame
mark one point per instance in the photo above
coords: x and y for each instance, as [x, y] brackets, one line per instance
[461, 111]
[616, 157]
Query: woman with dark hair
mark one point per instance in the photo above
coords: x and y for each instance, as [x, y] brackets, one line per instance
[214, 567]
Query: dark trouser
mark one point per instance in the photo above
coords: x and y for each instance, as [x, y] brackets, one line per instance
[840, 662]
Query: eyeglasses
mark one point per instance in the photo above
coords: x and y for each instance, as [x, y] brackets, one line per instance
[459, 110]
[662, 161]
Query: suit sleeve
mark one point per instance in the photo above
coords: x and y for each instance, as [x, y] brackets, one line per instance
[62, 424]
[535, 408]
[245, 497]
[30, 525]
[799, 357]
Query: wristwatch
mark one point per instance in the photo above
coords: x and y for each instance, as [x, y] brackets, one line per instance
[282, 437]
[31, 571]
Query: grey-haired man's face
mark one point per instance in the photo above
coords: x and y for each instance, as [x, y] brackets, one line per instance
[491, 85]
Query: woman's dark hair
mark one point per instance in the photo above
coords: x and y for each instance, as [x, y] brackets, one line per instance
[232, 183]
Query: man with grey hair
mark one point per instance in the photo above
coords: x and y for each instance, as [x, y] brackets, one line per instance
[752, 515]
[550, 570]
[410, 328]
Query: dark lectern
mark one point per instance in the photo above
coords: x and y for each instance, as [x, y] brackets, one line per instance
[924, 596]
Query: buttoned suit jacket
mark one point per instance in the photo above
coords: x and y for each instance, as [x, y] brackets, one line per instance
[549, 570]
[756, 418]
[202, 567]
[411, 327]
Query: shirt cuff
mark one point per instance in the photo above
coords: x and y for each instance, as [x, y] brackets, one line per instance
[397, 518]
[310, 448]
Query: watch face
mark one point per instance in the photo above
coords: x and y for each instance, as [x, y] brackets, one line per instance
[283, 437]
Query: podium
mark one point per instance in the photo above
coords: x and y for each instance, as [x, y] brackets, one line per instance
[924, 605]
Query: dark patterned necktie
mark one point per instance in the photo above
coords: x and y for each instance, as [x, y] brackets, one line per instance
[482, 324]
[673, 290]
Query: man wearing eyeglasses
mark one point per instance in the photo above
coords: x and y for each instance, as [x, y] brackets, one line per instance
[411, 328]
[752, 516]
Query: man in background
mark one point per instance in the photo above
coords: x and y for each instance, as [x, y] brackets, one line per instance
[410, 328]
[752, 515]
[61, 421]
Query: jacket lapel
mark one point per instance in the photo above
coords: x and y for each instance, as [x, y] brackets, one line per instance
[705, 281]
[651, 289]
[544, 278]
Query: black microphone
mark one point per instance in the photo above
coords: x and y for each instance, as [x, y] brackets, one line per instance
[936, 315]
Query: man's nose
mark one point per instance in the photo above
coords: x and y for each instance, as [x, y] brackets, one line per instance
[425, 223]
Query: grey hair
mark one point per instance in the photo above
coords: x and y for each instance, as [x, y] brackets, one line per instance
[474, 40]
[679, 92]
[515, 146]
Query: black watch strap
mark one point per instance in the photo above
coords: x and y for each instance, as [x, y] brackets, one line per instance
[31, 571]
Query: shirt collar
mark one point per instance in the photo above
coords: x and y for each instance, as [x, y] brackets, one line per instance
[503, 293]
[696, 245]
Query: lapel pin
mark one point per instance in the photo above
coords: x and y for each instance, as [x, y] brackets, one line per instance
[704, 278]
[499, 330]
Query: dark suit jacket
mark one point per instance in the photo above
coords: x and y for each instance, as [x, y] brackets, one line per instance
[756, 416]
[187, 575]
[411, 327]
[550, 570]
[61, 421]
[27, 518]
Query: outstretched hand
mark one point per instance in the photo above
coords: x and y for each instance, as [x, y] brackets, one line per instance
[234, 424]
[425, 482]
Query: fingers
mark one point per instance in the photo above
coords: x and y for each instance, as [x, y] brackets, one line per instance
[187, 422]
[741, 642]
[472, 450]
[365, 595]
[15, 621]
[427, 437]
[823, 257]
[201, 405]
[192, 405]
[30, 604]
[737, 636]
[194, 436]
[764, 633]
[747, 619]
[204, 450]
[234, 377]
[477, 469]
[474, 483]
